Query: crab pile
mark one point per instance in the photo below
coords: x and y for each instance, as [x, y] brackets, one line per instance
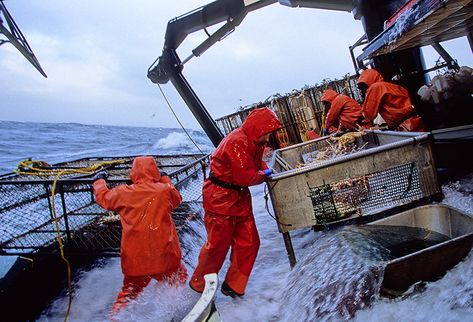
[336, 146]
[349, 194]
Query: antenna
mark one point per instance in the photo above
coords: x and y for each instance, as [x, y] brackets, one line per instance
[10, 30]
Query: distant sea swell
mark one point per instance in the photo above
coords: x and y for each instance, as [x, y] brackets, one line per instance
[58, 142]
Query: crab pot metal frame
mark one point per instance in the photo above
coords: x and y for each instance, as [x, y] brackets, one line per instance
[298, 111]
[391, 170]
[26, 208]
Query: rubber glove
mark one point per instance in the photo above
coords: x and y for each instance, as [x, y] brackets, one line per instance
[101, 175]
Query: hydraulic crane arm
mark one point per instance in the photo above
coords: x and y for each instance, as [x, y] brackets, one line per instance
[168, 67]
[231, 11]
[10, 30]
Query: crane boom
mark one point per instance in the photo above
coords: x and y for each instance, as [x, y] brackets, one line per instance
[169, 66]
[14, 36]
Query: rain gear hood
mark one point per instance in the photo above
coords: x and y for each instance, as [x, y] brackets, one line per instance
[259, 122]
[329, 95]
[144, 169]
[369, 77]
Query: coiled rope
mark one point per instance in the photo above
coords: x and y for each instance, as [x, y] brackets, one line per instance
[41, 168]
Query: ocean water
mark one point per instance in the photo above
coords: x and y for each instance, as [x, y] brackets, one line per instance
[55, 143]
[275, 292]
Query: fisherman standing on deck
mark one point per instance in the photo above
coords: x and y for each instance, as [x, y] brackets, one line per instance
[344, 113]
[235, 165]
[149, 244]
[390, 100]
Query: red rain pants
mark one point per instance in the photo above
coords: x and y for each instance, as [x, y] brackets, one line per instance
[134, 285]
[223, 232]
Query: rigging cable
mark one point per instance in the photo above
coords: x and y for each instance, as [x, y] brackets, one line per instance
[179, 121]
[267, 206]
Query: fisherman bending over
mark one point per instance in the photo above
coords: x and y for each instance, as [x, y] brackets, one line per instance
[390, 100]
[344, 113]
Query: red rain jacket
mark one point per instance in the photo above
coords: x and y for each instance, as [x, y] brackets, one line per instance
[311, 135]
[344, 110]
[149, 243]
[391, 101]
[238, 160]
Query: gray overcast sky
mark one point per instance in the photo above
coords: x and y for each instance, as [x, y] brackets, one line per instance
[96, 55]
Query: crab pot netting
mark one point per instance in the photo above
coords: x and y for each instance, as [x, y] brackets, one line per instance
[26, 205]
[374, 191]
[371, 172]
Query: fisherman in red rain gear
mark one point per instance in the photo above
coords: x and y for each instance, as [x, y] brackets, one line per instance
[343, 110]
[235, 165]
[149, 244]
[390, 100]
[311, 135]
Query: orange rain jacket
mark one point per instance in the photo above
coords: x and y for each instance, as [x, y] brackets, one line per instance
[149, 243]
[311, 135]
[229, 217]
[343, 110]
[238, 160]
[391, 101]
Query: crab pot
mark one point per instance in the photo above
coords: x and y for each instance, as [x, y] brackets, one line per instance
[378, 170]
[29, 224]
[33, 272]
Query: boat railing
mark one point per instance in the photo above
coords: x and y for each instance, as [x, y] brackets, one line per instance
[205, 309]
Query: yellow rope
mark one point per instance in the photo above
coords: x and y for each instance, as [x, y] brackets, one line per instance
[322, 132]
[61, 250]
[33, 167]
